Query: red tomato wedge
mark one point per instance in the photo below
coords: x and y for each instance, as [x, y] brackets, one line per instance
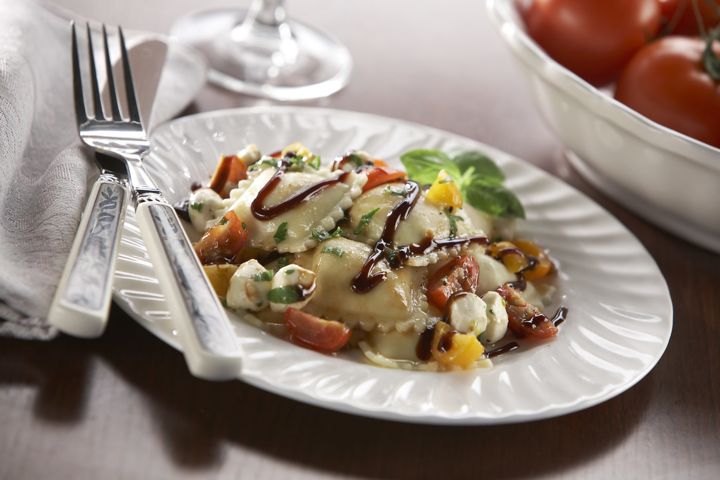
[222, 241]
[524, 319]
[458, 275]
[326, 336]
[380, 175]
[229, 171]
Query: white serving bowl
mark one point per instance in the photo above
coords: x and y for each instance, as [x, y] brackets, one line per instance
[667, 177]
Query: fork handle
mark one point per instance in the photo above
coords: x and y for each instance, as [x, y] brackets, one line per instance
[209, 343]
[82, 300]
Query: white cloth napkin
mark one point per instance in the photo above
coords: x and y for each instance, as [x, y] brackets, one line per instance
[44, 172]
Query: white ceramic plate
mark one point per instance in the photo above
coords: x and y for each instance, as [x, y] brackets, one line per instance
[663, 175]
[620, 309]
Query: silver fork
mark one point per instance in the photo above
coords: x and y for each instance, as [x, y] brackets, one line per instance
[209, 343]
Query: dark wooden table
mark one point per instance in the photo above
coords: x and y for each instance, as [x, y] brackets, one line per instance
[124, 406]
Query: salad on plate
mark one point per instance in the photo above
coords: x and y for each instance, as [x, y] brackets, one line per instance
[420, 269]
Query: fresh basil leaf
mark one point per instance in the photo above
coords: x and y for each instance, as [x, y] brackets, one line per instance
[285, 295]
[496, 200]
[338, 252]
[281, 232]
[365, 220]
[423, 165]
[482, 167]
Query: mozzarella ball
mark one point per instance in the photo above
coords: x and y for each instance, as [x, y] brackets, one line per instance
[468, 314]
[292, 286]
[249, 287]
[497, 318]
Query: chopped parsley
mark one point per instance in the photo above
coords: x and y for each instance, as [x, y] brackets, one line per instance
[289, 271]
[223, 221]
[285, 295]
[314, 162]
[281, 232]
[321, 235]
[265, 276]
[400, 192]
[365, 220]
[197, 206]
[338, 252]
[452, 220]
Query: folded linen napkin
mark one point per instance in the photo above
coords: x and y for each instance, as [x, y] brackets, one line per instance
[44, 171]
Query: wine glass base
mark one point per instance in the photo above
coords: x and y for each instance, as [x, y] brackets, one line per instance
[315, 66]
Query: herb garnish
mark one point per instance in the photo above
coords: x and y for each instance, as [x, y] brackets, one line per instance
[265, 276]
[321, 235]
[452, 220]
[285, 295]
[338, 252]
[281, 232]
[197, 206]
[478, 177]
[400, 192]
[365, 220]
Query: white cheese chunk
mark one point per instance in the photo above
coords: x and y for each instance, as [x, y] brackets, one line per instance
[468, 314]
[289, 279]
[497, 318]
[249, 287]
[202, 206]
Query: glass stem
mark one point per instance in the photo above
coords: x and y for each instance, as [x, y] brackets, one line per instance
[269, 13]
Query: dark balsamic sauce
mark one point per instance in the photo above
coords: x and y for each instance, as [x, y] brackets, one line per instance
[560, 316]
[383, 249]
[195, 186]
[508, 347]
[423, 349]
[261, 212]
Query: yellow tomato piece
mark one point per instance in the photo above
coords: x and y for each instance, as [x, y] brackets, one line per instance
[453, 349]
[298, 149]
[543, 264]
[219, 276]
[444, 191]
[509, 254]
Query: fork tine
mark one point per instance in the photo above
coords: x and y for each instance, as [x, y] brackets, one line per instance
[97, 100]
[80, 113]
[129, 86]
[111, 79]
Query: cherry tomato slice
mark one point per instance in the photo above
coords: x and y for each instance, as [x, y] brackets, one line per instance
[380, 175]
[458, 275]
[326, 336]
[524, 319]
[229, 171]
[222, 241]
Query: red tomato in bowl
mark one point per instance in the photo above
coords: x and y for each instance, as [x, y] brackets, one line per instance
[679, 16]
[592, 38]
[666, 82]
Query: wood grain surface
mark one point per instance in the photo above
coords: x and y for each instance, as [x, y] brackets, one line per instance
[124, 406]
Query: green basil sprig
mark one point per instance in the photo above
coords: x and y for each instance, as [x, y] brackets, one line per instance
[478, 177]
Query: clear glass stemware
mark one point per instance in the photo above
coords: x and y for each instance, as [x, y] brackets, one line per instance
[261, 52]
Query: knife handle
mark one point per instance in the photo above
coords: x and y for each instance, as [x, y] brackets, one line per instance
[82, 300]
[209, 343]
